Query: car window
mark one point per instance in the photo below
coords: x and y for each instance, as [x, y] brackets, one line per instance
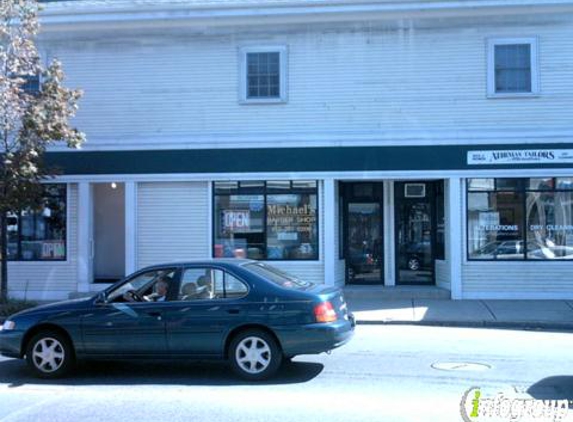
[144, 283]
[277, 276]
[197, 283]
[234, 288]
[200, 283]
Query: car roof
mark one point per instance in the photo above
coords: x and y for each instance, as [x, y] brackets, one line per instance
[226, 262]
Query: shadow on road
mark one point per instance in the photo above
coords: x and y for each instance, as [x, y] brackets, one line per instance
[553, 388]
[15, 373]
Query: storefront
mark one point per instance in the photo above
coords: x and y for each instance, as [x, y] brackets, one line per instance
[372, 216]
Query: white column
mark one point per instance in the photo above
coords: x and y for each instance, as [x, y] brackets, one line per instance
[389, 237]
[329, 252]
[130, 227]
[85, 236]
[455, 213]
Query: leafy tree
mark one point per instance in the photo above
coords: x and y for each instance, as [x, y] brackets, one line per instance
[30, 121]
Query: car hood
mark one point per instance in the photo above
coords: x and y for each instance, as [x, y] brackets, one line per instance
[56, 306]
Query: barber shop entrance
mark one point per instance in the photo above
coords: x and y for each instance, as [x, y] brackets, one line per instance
[411, 242]
[362, 232]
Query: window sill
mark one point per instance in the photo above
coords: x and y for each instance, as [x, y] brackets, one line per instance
[261, 101]
[516, 95]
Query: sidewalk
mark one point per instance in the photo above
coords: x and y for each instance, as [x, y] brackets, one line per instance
[525, 314]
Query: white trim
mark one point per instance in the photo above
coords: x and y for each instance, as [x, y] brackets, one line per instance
[290, 139]
[342, 175]
[328, 250]
[210, 228]
[516, 295]
[130, 227]
[265, 12]
[455, 238]
[85, 236]
[534, 64]
[283, 74]
[389, 234]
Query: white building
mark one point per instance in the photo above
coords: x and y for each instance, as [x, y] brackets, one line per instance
[372, 141]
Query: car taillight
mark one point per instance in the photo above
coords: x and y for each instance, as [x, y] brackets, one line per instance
[324, 312]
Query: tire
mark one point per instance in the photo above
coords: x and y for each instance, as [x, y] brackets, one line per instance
[351, 274]
[254, 355]
[413, 264]
[49, 354]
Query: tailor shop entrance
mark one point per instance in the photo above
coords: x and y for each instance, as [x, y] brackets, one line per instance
[418, 231]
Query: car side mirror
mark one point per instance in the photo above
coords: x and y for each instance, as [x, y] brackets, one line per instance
[101, 299]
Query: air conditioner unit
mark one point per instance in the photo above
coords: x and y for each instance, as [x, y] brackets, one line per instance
[415, 190]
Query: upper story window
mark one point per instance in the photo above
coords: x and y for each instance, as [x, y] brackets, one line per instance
[263, 75]
[512, 67]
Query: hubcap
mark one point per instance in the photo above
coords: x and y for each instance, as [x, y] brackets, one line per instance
[414, 264]
[253, 355]
[48, 355]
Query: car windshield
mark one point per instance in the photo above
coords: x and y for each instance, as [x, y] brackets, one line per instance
[277, 276]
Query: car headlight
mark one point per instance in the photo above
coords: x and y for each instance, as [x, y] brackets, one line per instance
[8, 325]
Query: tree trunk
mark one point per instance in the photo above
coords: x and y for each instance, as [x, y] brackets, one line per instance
[4, 257]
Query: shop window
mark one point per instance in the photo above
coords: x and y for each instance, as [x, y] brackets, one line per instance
[549, 225]
[522, 219]
[280, 222]
[40, 234]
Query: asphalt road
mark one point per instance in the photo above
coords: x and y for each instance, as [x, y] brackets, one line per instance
[387, 373]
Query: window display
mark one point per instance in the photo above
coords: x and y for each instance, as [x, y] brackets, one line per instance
[275, 220]
[520, 219]
[40, 234]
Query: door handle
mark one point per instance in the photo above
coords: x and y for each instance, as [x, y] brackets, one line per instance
[155, 314]
[233, 311]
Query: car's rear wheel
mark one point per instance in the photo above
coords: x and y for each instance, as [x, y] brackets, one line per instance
[254, 355]
[49, 354]
[414, 264]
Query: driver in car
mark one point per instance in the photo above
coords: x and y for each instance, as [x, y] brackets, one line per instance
[160, 293]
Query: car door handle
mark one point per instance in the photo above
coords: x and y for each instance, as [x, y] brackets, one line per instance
[233, 311]
[155, 314]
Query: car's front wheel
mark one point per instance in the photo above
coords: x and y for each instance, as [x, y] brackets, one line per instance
[254, 355]
[50, 354]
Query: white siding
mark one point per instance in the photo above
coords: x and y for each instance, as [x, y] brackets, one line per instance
[172, 222]
[49, 280]
[513, 280]
[344, 78]
[442, 274]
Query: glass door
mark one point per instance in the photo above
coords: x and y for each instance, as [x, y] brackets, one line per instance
[364, 257]
[415, 233]
[363, 243]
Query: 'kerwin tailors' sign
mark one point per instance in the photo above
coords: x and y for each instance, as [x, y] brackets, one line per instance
[527, 156]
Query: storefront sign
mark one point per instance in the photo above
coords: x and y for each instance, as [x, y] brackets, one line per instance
[288, 219]
[53, 250]
[528, 156]
[236, 220]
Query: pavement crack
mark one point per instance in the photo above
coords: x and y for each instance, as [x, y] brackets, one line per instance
[489, 310]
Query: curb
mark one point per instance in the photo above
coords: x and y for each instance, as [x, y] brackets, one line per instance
[520, 325]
